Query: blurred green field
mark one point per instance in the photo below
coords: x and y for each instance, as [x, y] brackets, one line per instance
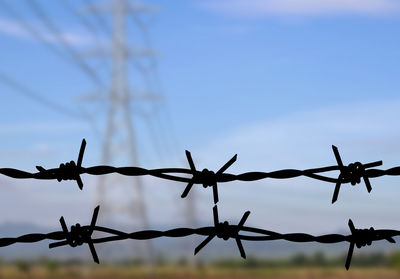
[375, 265]
[116, 272]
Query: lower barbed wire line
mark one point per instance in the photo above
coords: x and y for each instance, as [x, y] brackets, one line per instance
[266, 235]
[299, 238]
[150, 234]
[79, 235]
[206, 231]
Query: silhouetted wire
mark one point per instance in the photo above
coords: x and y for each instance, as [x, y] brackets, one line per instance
[79, 235]
[72, 171]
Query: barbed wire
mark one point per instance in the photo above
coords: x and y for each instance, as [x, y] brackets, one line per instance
[351, 173]
[79, 235]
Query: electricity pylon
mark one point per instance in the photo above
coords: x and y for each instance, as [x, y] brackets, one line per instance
[119, 144]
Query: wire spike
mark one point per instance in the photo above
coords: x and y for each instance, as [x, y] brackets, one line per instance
[81, 152]
[187, 190]
[337, 156]
[241, 249]
[203, 243]
[190, 160]
[244, 218]
[227, 165]
[94, 216]
[337, 189]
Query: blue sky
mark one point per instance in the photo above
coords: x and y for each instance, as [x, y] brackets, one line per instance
[277, 82]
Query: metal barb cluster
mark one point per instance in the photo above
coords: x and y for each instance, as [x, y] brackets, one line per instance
[351, 173]
[79, 235]
[206, 177]
[225, 231]
[67, 171]
[361, 238]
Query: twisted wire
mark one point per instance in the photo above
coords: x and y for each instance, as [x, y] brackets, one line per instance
[79, 235]
[348, 174]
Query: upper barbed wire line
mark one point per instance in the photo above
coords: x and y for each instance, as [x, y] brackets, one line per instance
[72, 171]
[79, 235]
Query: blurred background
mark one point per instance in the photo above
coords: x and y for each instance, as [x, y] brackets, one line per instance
[275, 81]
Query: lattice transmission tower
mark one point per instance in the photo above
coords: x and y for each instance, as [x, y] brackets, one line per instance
[120, 197]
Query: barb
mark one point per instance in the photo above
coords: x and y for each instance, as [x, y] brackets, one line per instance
[67, 171]
[83, 234]
[348, 174]
[225, 231]
[363, 237]
[79, 235]
[352, 173]
[206, 177]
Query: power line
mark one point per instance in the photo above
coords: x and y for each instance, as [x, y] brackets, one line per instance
[31, 30]
[101, 23]
[38, 36]
[52, 28]
[36, 97]
[83, 20]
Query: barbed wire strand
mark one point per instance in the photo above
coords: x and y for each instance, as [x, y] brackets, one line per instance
[79, 235]
[348, 174]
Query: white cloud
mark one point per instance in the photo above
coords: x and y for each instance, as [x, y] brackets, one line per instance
[16, 29]
[260, 8]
